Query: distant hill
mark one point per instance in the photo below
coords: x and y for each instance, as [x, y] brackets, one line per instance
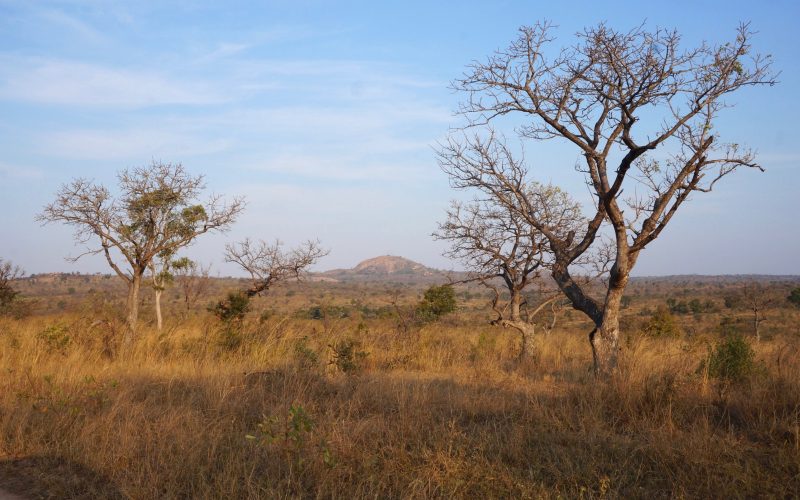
[387, 268]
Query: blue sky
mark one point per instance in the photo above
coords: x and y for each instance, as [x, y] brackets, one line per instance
[324, 116]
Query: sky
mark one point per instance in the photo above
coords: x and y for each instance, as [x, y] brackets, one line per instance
[325, 117]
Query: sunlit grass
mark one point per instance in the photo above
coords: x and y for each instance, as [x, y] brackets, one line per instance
[441, 411]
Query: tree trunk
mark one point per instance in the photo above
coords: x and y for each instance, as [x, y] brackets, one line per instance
[159, 321]
[133, 305]
[605, 346]
[605, 338]
[527, 348]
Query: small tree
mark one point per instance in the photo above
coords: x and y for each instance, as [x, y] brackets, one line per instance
[8, 273]
[436, 302]
[756, 299]
[156, 212]
[268, 265]
[616, 97]
[192, 278]
[501, 249]
[794, 297]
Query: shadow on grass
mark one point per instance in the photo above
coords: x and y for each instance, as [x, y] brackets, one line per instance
[54, 477]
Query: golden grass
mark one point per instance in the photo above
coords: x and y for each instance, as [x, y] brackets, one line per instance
[442, 412]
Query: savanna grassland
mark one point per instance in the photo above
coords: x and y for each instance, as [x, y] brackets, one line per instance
[335, 390]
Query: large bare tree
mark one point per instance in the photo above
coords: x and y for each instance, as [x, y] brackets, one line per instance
[501, 249]
[640, 112]
[155, 213]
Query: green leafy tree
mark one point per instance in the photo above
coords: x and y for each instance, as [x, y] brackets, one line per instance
[436, 302]
[155, 213]
[662, 324]
[794, 297]
[8, 273]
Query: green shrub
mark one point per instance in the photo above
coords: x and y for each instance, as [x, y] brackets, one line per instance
[662, 324]
[794, 297]
[732, 359]
[232, 308]
[304, 355]
[436, 302]
[347, 357]
[56, 338]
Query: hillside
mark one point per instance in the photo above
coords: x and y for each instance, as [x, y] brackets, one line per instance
[387, 268]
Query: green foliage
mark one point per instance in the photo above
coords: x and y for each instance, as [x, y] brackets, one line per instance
[347, 357]
[733, 300]
[290, 435]
[304, 355]
[662, 324]
[323, 312]
[694, 306]
[293, 431]
[794, 297]
[436, 302]
[732, 360]
[55, 338]
[677, 307]
[728, 326]
[231, 312]
[8, 294]
[233, 308]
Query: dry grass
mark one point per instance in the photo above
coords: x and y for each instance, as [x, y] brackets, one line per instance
[442, 412]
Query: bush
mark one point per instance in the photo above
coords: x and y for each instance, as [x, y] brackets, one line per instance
[794, 297]
[436, 302]
[662, 324]
[347, 357]
[732, 360]
[233, 308]
[56, 338]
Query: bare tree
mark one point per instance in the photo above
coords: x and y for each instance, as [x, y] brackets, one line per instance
[8, 274]
[756, 298]
[619, 98]
[269, 264]
[192, 278]
[500, 248]
[156, 212]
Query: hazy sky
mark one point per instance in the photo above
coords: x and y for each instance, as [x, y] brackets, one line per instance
[324, 116]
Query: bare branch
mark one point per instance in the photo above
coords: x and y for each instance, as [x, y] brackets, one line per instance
[269, 264]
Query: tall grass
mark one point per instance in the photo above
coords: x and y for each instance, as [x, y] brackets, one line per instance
[445, 411]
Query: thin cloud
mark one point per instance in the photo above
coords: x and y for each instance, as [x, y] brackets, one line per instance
[20, 172]
[130, 144]
[73, 83]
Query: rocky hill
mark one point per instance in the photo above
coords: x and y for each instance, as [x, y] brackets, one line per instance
[387, 268]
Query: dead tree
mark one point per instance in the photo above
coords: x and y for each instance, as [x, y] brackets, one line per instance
[757, 300]
[156, 211]
[639, 110]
